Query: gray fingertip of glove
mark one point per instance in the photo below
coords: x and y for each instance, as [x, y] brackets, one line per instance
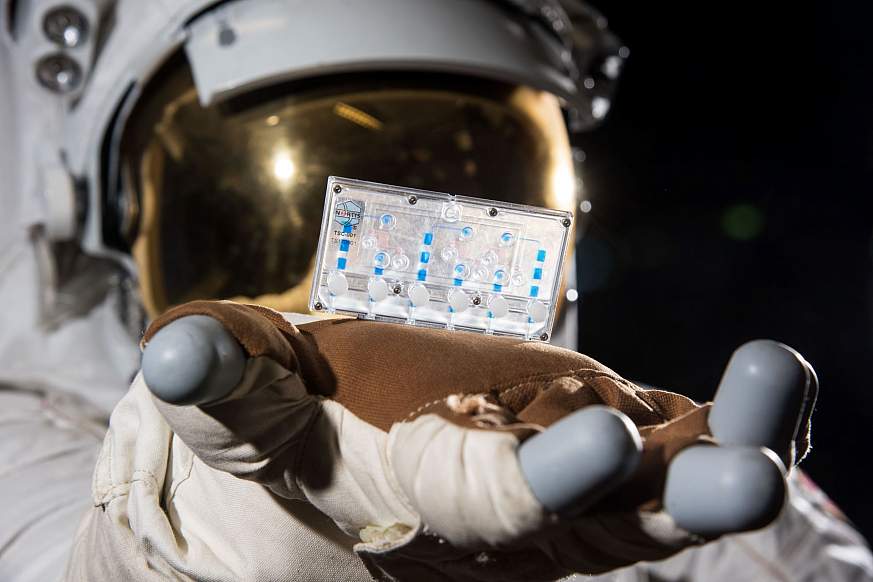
[712, 491]
[762, 397]
[580, 458]
[193, 360]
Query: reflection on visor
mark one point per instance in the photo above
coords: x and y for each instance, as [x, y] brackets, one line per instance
[231, 199]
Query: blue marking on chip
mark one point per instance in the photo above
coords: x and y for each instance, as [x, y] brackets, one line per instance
[422, 274]
[425, 257]
[497, 287]
[378, 270]
[534, 291]
[344, 244]
[457, 282]
[428, 238]
[541, 255]
[341, 263]
[538, 274]
[347, 229]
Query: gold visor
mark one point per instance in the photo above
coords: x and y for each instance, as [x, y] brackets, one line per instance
[227, 199]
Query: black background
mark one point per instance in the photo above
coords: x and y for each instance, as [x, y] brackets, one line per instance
[765, 105]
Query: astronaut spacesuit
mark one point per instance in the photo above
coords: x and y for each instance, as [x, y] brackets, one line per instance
[88, 105]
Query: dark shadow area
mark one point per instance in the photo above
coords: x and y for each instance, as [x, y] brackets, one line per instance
[731, 200]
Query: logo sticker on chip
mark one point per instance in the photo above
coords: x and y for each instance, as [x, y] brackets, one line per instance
[348, 213]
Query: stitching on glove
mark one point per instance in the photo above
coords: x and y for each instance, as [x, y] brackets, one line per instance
[109, 445]
[187, 472]
[112, 493]
[583, 373]
[122, 489]
[412, 415]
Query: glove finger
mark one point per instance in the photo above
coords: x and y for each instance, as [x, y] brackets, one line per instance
[257, 432]
[271, 429]
[644, 490]
[193, 360]
[466, 484]
[260, 331]
[667, 423]
[580, 458]
[468, 487]
[765, 399]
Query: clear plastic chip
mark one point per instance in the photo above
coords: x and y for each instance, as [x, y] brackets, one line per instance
[390, 253]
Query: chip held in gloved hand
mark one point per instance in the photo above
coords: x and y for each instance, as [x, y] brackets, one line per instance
[407, 438]
[410, 256]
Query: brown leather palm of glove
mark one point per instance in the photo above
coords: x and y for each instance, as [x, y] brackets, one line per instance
[406, 438]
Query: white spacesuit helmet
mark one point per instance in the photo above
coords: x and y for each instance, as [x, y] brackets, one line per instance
[191, 140]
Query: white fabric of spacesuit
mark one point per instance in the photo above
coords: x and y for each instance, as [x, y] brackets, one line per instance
[62, 374]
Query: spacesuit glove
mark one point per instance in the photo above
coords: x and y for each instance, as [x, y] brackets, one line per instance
[407, 439]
